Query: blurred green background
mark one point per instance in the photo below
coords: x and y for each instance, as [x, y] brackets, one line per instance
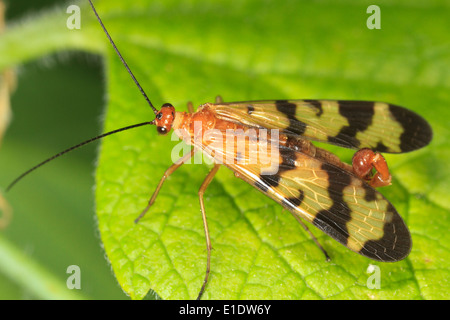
[58, 103]
[330, 54]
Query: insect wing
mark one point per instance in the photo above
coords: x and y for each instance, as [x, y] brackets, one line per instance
[379, 126]
[337, 202]
[333, 199]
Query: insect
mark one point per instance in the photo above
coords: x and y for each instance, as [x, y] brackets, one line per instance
[312, 183]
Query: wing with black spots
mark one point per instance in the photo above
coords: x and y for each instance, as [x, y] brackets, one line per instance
[379, 126]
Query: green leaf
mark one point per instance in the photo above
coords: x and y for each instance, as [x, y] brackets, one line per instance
[181, 51]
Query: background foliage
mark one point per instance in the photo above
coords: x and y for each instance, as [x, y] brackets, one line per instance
[194, 50]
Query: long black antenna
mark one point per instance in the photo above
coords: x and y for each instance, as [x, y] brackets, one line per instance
[104, 134]
[123, 61]
[73, 148]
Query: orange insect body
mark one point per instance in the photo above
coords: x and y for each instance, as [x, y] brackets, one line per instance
[207, 119]
[364, 161]
[198, 124]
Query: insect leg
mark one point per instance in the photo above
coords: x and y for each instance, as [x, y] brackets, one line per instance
[190, 107]
[219, 99]
[168, 172]
[327, 257]
[201, 191]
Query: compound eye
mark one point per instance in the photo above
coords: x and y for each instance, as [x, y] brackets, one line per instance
[159, 115]
[161, 130]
